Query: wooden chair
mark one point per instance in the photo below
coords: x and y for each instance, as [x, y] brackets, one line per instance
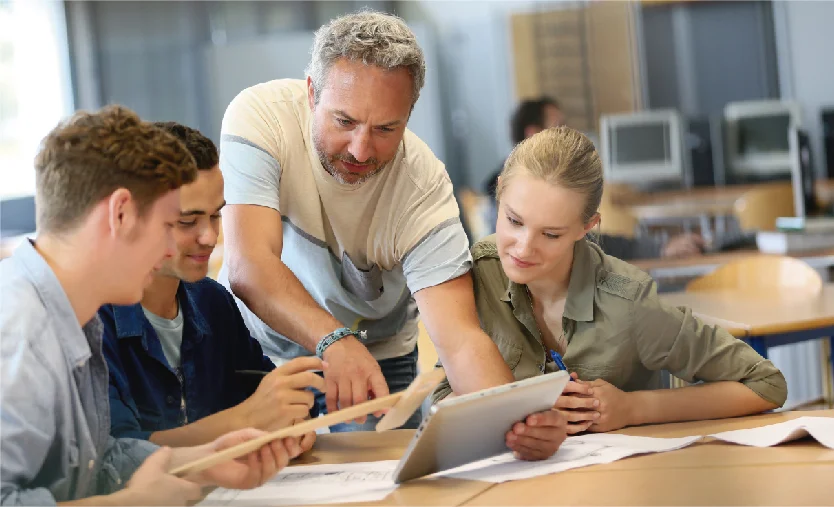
[759, 274]
[758, 208]
[615, 219]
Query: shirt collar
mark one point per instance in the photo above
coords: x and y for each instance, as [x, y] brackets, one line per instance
[74, 343]
[579, 305]
[130, 320]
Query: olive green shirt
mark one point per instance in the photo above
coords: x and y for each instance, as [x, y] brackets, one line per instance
[616, 329]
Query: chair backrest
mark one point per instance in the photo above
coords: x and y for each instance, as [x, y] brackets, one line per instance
[761, 273]
[616, 220]
[758, 208]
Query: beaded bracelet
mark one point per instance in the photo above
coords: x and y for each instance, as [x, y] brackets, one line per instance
[335, 336]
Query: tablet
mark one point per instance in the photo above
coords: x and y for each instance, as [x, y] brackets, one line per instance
[463, 429]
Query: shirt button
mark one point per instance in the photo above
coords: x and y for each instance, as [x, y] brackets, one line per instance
[170, 400]
[91, 464]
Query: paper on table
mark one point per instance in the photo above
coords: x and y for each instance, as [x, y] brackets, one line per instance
[820, 428]
[316, 484]
[575, 452]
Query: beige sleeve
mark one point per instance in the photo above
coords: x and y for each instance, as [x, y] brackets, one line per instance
[249, 117]
[250, 152]
[430, 240]
[673, 339]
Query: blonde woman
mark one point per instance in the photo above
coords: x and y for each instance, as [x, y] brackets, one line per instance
[541, 286]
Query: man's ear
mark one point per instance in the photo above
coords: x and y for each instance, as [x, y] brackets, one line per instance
[123, 214]
[311, 93]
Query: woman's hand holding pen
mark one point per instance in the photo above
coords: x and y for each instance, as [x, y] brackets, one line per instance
[579, 405]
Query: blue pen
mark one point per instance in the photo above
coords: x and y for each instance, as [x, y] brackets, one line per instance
[557, 358]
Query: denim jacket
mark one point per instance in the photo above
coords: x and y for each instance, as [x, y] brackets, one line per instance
[146, 394]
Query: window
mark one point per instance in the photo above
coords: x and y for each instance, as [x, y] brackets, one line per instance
[35, 89]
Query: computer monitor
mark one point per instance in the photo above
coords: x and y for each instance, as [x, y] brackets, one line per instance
[643, 149]
[757, 138]
[802, 173]
[827, 117]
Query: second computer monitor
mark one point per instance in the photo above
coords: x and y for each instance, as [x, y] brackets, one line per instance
[758, 139]
[643, 149]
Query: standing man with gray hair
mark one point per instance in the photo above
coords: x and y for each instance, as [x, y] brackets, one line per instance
[341, 227]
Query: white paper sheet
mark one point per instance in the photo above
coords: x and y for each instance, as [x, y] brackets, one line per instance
[316, 484]
[576, 452]
[820, 428]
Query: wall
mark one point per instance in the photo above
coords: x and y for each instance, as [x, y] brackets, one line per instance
[700, 56]
[475, 60]
[234, 66]
[804, 40]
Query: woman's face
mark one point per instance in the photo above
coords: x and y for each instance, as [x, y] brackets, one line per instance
[538, 224]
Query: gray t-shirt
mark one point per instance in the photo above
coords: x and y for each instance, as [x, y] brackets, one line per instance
[170, 335]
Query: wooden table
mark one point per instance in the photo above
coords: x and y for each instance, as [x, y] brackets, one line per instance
[700, 203]
[706, 473]
[691, 267]
[766, 320]
[709, 472]
[713, 201]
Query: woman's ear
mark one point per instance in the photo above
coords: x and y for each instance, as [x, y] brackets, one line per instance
[593, 222]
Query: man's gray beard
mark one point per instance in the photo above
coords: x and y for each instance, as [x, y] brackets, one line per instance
[339, 177]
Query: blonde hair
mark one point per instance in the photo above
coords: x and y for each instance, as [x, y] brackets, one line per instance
[559, 156]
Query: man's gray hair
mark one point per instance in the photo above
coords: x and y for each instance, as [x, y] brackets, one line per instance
[370, 37]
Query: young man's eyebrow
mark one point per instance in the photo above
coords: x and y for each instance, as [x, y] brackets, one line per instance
[199, 212]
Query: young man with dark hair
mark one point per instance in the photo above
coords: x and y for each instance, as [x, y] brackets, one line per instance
[107, 196]
[175, 358]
